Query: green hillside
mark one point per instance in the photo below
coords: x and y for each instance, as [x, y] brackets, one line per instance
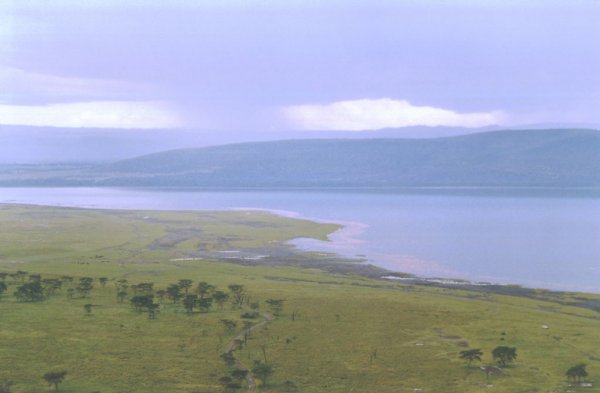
[506, 158]
[522, 158]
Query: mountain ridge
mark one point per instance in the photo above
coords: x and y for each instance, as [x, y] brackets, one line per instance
[507, 158]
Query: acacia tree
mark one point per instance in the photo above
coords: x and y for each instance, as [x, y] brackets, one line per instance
[203, 288]
[577, 372]
[174, 292]
[504, 355]
[189, 302]
[55, 378]
[471, 355]
[153, 309]
[85, 286]
[276, 305]
[185, 284]
[145, 288]
[238, 293]
[228, 358]
[51, 285]
[247, 329]
[30, 292]
[142, 302]
[262, 371]
[204, 304]
[220, 297]
[121, 295]
[122, 284]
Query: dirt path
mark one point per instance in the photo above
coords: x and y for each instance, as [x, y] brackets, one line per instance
[230, 347]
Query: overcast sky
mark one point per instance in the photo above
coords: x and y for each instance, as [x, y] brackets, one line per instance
[298, 65]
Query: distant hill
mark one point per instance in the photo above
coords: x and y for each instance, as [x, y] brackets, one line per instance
[514, 158]
[35, 145]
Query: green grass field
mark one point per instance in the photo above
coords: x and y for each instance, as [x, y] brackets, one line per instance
[336, 333]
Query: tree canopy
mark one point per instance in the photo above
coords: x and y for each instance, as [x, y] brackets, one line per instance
[262, 371]
[577, 372]
[504, 355]
[55, 378]
[471, 355]
[30, 292]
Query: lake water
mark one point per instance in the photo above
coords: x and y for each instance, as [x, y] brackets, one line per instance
[544, 238]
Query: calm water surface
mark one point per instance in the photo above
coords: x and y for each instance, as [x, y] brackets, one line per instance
[544, 239]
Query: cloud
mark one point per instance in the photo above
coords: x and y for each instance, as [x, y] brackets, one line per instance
[26, 87]
[39, 99]
[373, 114]
[97, 114]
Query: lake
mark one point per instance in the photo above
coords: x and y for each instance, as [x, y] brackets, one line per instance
[540, 238]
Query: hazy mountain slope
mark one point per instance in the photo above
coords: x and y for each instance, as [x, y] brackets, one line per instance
[523, 158]
[35, 145]
[500, 158]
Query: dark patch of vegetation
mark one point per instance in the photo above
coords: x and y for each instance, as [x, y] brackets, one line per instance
[504, 355]
[6, 386]
[471, 355]
[577, 373]
[55, 378]
[262, 370]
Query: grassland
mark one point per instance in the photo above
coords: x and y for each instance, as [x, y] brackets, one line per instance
[336, 333]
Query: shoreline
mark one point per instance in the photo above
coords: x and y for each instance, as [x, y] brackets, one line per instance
[362, 266]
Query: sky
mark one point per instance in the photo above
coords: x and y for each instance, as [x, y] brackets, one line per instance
[248, 66]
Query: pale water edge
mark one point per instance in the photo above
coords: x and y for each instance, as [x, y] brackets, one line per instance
[543, 238]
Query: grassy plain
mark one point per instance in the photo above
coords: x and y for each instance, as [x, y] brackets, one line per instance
[337, 332]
